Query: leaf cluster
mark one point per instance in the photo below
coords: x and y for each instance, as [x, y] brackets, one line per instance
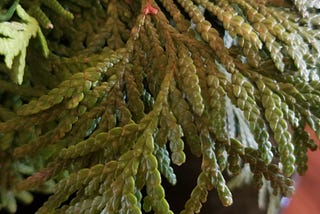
[123, 94]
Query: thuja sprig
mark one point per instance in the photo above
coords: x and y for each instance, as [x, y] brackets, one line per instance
[157, 56]
[233, 22]
[272, 104]
[182, 23]
[217, 104]
[210, 177]
[271, 172]
[246, 102]
[164, 161]
[187, 73]
[130, 86]
[208, 34]
[36, 11]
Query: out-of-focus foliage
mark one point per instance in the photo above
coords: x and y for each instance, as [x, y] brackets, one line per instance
[128, 85]
[14, 40]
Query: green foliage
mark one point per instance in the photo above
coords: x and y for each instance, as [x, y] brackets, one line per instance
[128, 87]
[14, 39]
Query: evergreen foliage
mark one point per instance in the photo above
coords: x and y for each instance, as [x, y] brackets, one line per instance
[116, 90]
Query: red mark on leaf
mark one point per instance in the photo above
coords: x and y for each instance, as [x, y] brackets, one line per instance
[34, 180]
[149, 9]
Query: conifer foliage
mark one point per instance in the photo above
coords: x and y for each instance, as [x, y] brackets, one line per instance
[111, 93]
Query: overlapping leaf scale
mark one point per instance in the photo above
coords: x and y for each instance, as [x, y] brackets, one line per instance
[145, 61]
[233, 22]
[313, 100]
[188, 80]
[182, 24]
[281, 33]
[309, 106]
[160, 101]
[108, 118]
[170, 131]
[63, 128]
[182, 112]
[291, 96]
[133, 97]
[64, 67]
[311, 117]
[59, 167]
[290, 115]
[302, 142]
[74, 182]
[107, 141]
[252, 54]
[198, 195]
[21, 123]
[79, 124]
[259, 167]
[96, 40]
[123, 194]
[272, 109]
[208, 34]
[117, 29]
[101, 140]
[302, 46]
[155, 197]
[85, 126]
[217, 106]
[162, 131]
[78, 32]
[155, 62]
[72, 89]
[221, 155]
[92, 205]
[243, 91]
[274, 27]
[174, 102]
[312, 44]
[212, 84]
[297, 44]
[250, 50]
[114, 135]
[273, 46]
[210, 177]
[279, 182]
[164, 167]
[211, 168]
[123, 114]
[123, 199]
[234, 159]
[262, 25]
[176, 144]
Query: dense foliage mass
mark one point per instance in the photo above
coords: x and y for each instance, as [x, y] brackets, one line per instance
[98, 98]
